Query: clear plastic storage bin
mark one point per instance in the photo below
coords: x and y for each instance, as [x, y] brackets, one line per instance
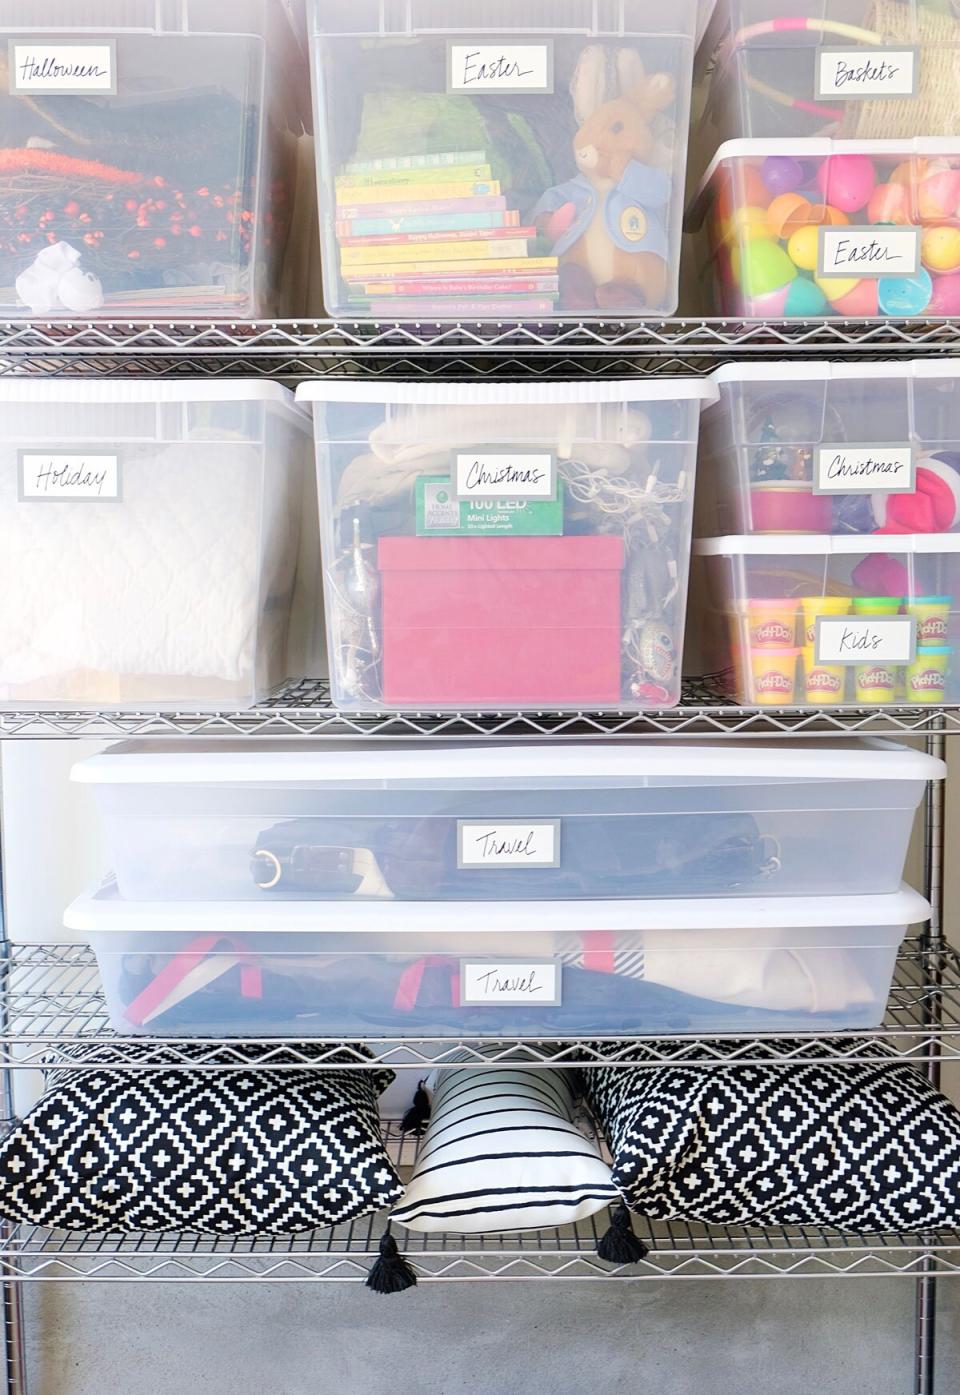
[268, 823]
[149, 156]
[809, 228]
[817, 964]
[501, 162]
[823, 620]
[845, 448]
[148, 540]
[505, 545]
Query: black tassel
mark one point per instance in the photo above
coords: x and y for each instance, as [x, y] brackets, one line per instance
[621, 1245]
[391, 1273]
[416, 1117]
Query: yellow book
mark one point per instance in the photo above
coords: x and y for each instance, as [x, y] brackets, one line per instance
[402, 193]
[452, 174]
[535, 265]
[465, 249]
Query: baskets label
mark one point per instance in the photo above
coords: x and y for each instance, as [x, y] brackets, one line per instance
[56, 477]
[873, 250]
[819, 680]
[773, 632]
[774, 682]
[441, 514]
[509, 982]
[866, 469]
[865, 639]
[872, 679]
[506, 67]
[927, 680]
[63, 67]
[505, 474]
[508, 843]
[853, 73]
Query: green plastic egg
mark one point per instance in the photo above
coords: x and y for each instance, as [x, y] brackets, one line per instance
[763, 266]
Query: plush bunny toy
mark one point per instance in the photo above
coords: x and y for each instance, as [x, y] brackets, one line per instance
[608, 223]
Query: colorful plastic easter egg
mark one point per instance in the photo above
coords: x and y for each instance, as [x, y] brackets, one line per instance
[805, 300]
[861, 303]
[940, 249]
[772, 306]
[902, 296]
[946, 295]
[846, 181]
[938, 195]
[742, 185]
[802, 248]
[786, 214]
[750, 221]
[836, 287]
[763, 267]
[827, 215]
[908, 172]
[889, 203]
[781, 173]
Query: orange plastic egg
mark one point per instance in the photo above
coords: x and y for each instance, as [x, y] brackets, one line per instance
[741, 185]
[939, 195]
[861, 302]
[909, 171]
[837, 287]
[825, 215]
[787, 214]
[889, 203]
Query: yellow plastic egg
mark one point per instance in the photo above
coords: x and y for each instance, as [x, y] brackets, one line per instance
[940, 248]
[802, 248]
[836, 287]
[786, 213]
[751, 221]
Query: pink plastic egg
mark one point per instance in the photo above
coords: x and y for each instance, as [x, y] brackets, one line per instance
[889, 203]
[939, 195]
[767, 307]
[946, 295]
[860, 303]
[847, 181]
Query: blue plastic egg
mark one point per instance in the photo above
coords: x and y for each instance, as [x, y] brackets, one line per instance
[805, 300]
[902, 296]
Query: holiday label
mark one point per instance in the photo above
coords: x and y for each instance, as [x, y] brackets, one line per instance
[505, 474]
[506, 67]
[865, 469]
[868, 251]
[865, 639]
[64, 67]
[508, 843]
[441, 514]
[54, 477]
[509, 982]
[877, 72]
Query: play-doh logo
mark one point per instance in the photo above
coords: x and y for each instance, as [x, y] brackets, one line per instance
[933, 630]
[773, 632]
[927, 681]
[774, 683]
[876, 678]
[819, 681]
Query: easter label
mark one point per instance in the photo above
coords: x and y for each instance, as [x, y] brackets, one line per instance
[865, 639]
[879, 72]
[509, 982]
[56, 478]
[506, 67]
[866, 469]
[504, 474]
[508, 843]
[868, 251]
[440, 514]
[69, 69]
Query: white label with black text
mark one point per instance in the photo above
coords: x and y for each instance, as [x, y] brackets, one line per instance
[868, 251]
[508, 843]
[505, 475]
[509, 983]
[506, 67]
[58, 477]
[865, 639]
[63, 67]
[864, 470]
[875, 72]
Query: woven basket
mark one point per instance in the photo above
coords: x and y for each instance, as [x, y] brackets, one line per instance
[935, 110]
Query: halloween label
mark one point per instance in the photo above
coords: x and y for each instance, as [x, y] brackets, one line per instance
[865, 469]
[865, 639]
[505, 474]
[506, 67]
[52, 477]
[508, 843]
[440, 514]
[509, 982]
[64, 67]
[868, 251]
[878, 72]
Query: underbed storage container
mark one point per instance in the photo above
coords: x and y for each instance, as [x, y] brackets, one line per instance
[148, 540]
[533, 969]
[505, 545]
[264, 823]
[502, 161]
[842, 448]
[148, 156]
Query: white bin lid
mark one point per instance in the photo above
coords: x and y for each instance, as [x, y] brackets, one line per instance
[825, 544]
[787, 374]
[102, 911]
[252, 762]
[112, 391]
[483, 394]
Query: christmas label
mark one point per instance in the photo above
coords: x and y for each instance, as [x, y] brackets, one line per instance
[508, 843]
[441, 514]
[505, 474]
[865, 639]
[868, 251]
[864, 469]
[63, 67]
[506, 67]
[54, 477]
[509, 982]
[877, 72]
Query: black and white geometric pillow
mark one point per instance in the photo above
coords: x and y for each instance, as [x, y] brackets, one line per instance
[853, 1146]
[240, 1152]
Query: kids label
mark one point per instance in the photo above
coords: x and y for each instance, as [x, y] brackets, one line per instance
[868, 251]
[864, 470]
[60, 478]
[864, 639]
[508, 984]
[505, 475]
[62, 67]
[875, 72]
[507, 67]
[508, 843]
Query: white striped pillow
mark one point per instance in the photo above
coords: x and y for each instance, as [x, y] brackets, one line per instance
[502, 1153]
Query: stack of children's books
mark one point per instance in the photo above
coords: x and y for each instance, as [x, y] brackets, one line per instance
[431, 235]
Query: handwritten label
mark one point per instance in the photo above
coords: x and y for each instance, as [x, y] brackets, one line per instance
[54, 477]
[868, 251]
[509, 982]
[864, 470]
[506, 67]
[505, 475]
[876, 72]
[63, 67]
[865, 639]
[508, 843]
